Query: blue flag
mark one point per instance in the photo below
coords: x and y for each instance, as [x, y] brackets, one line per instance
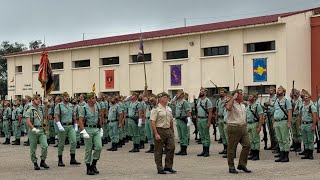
[260, 70]
[140, 55]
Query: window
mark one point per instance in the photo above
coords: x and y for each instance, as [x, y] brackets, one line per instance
[261, 46]
[58, 65]
[56, 81]
[18, 69]
[114, 93]
[177, 54]
[109, 61]
[265, 89]
[134, 58]
[35, 67]
[215, 51]
[81, 63]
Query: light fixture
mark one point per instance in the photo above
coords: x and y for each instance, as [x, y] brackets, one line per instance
[191, 43]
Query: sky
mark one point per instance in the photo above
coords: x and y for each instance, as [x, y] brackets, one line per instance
[63, 21]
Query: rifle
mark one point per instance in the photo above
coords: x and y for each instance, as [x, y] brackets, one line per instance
[290, 130]
[265, 134]
[214, 120]
[194, 119]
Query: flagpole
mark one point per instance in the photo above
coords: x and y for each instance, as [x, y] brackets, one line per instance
[144, 63]
[234, 74]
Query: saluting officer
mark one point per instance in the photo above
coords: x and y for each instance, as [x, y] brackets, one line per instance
[307, 122]
[89, 123]
[36, 123]
[64, 120]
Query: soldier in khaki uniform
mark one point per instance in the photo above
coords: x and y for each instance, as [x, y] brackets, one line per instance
[163, 130]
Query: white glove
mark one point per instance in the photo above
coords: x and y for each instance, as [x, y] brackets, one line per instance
[35, 130]
[85, 134]
[189, 121]
[76, 127]
[140, 123]
[101, 132]
[60, 126]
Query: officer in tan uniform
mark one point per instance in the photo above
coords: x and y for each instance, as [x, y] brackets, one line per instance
[163, 130]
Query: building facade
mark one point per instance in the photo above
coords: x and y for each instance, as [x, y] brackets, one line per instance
[269, 50]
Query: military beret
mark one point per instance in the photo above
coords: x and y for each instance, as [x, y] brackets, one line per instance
[160, 95]
[180, 91]
[65, 94]
[236, 91]
[135, 94]
[254, 94]
[223, 89]
[35, 96]
[272, 88]
[91, 95]
[203, 89]
[307, 93]
[283, 89]
[28, 97]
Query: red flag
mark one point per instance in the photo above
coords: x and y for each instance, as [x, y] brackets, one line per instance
[109, 79]
[45, 73]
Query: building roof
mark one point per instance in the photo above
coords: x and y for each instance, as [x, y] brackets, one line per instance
[167, 32]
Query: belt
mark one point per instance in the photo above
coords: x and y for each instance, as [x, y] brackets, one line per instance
[220, 116]
[236, 125]
[91, 126]
[113, 120]
[67, 124]
[202, 117]
[180, 117]
[225, 122]
[294, 115]
[37, 126]
[306, 122]
[251, 122]
[278, 120]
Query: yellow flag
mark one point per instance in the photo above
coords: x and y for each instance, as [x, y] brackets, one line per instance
[94, 87]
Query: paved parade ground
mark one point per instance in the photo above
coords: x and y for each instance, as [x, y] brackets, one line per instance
[15, 164]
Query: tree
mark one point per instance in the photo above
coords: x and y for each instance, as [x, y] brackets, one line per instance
[7, 48]
[36, 44]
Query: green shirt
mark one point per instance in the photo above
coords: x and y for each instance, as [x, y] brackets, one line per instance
[255, 108]
[225, 115]
[220, 105]
[26, 107]
[134, 108]
[114, 112]
[182, 107]
[296, 105]
[271, 101]
[6, 114]
[306, 112]
[64, 112]
[90, 118]
[34, 119]
[16, 113]
[286, 105]
[206, 104]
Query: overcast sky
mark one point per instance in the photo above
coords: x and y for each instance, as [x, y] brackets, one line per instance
[62, 21]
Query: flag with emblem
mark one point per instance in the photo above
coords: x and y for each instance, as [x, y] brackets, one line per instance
[260, 70]
[45, 74]
[109, 74]
[140, 55]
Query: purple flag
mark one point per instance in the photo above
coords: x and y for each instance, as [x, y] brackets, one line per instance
[175, 75]
[140, 55]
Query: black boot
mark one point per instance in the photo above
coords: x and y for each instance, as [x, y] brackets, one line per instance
[36, 167]
[115, 146]
[60, 162]
[199, 141]
[179, 153]
[16, 142]
[251, 154]
[94, 167]
[27, 143]
[306, 154]
[184, 151]
[89, 170]
[256, 155]
[123, 142]
[298, 146]
[112, 147]
[81, 142]
[52, 140]
[151, 150]
[293, 146]
[224, 151]
[141, 145]
[6, 141]
[304, 150]
[285, 157]
[78, 145]
[206, 153]
[310, 154]
[280, 157]
[73, 160]
[202, 153]
[119, 144]
[43, 164]
[135, 148]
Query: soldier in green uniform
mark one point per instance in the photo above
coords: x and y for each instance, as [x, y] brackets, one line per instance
[269, 104]
[1, 113]
[220, 116]
[152, 103]
[16, 122]
[115, 123]
[204, 108]
[254, 113]
[6, 116]
[101, 105]
[36, 123]
[81, 104]
[282, 124]
[64, 120]
[142, 127]
[121, 123]
[57, 100]
[90, 122]
[135, 121]
[183, 117]
[76, 118]
[307, 122]
[296, 103]
[27, 105]
[105, 125]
